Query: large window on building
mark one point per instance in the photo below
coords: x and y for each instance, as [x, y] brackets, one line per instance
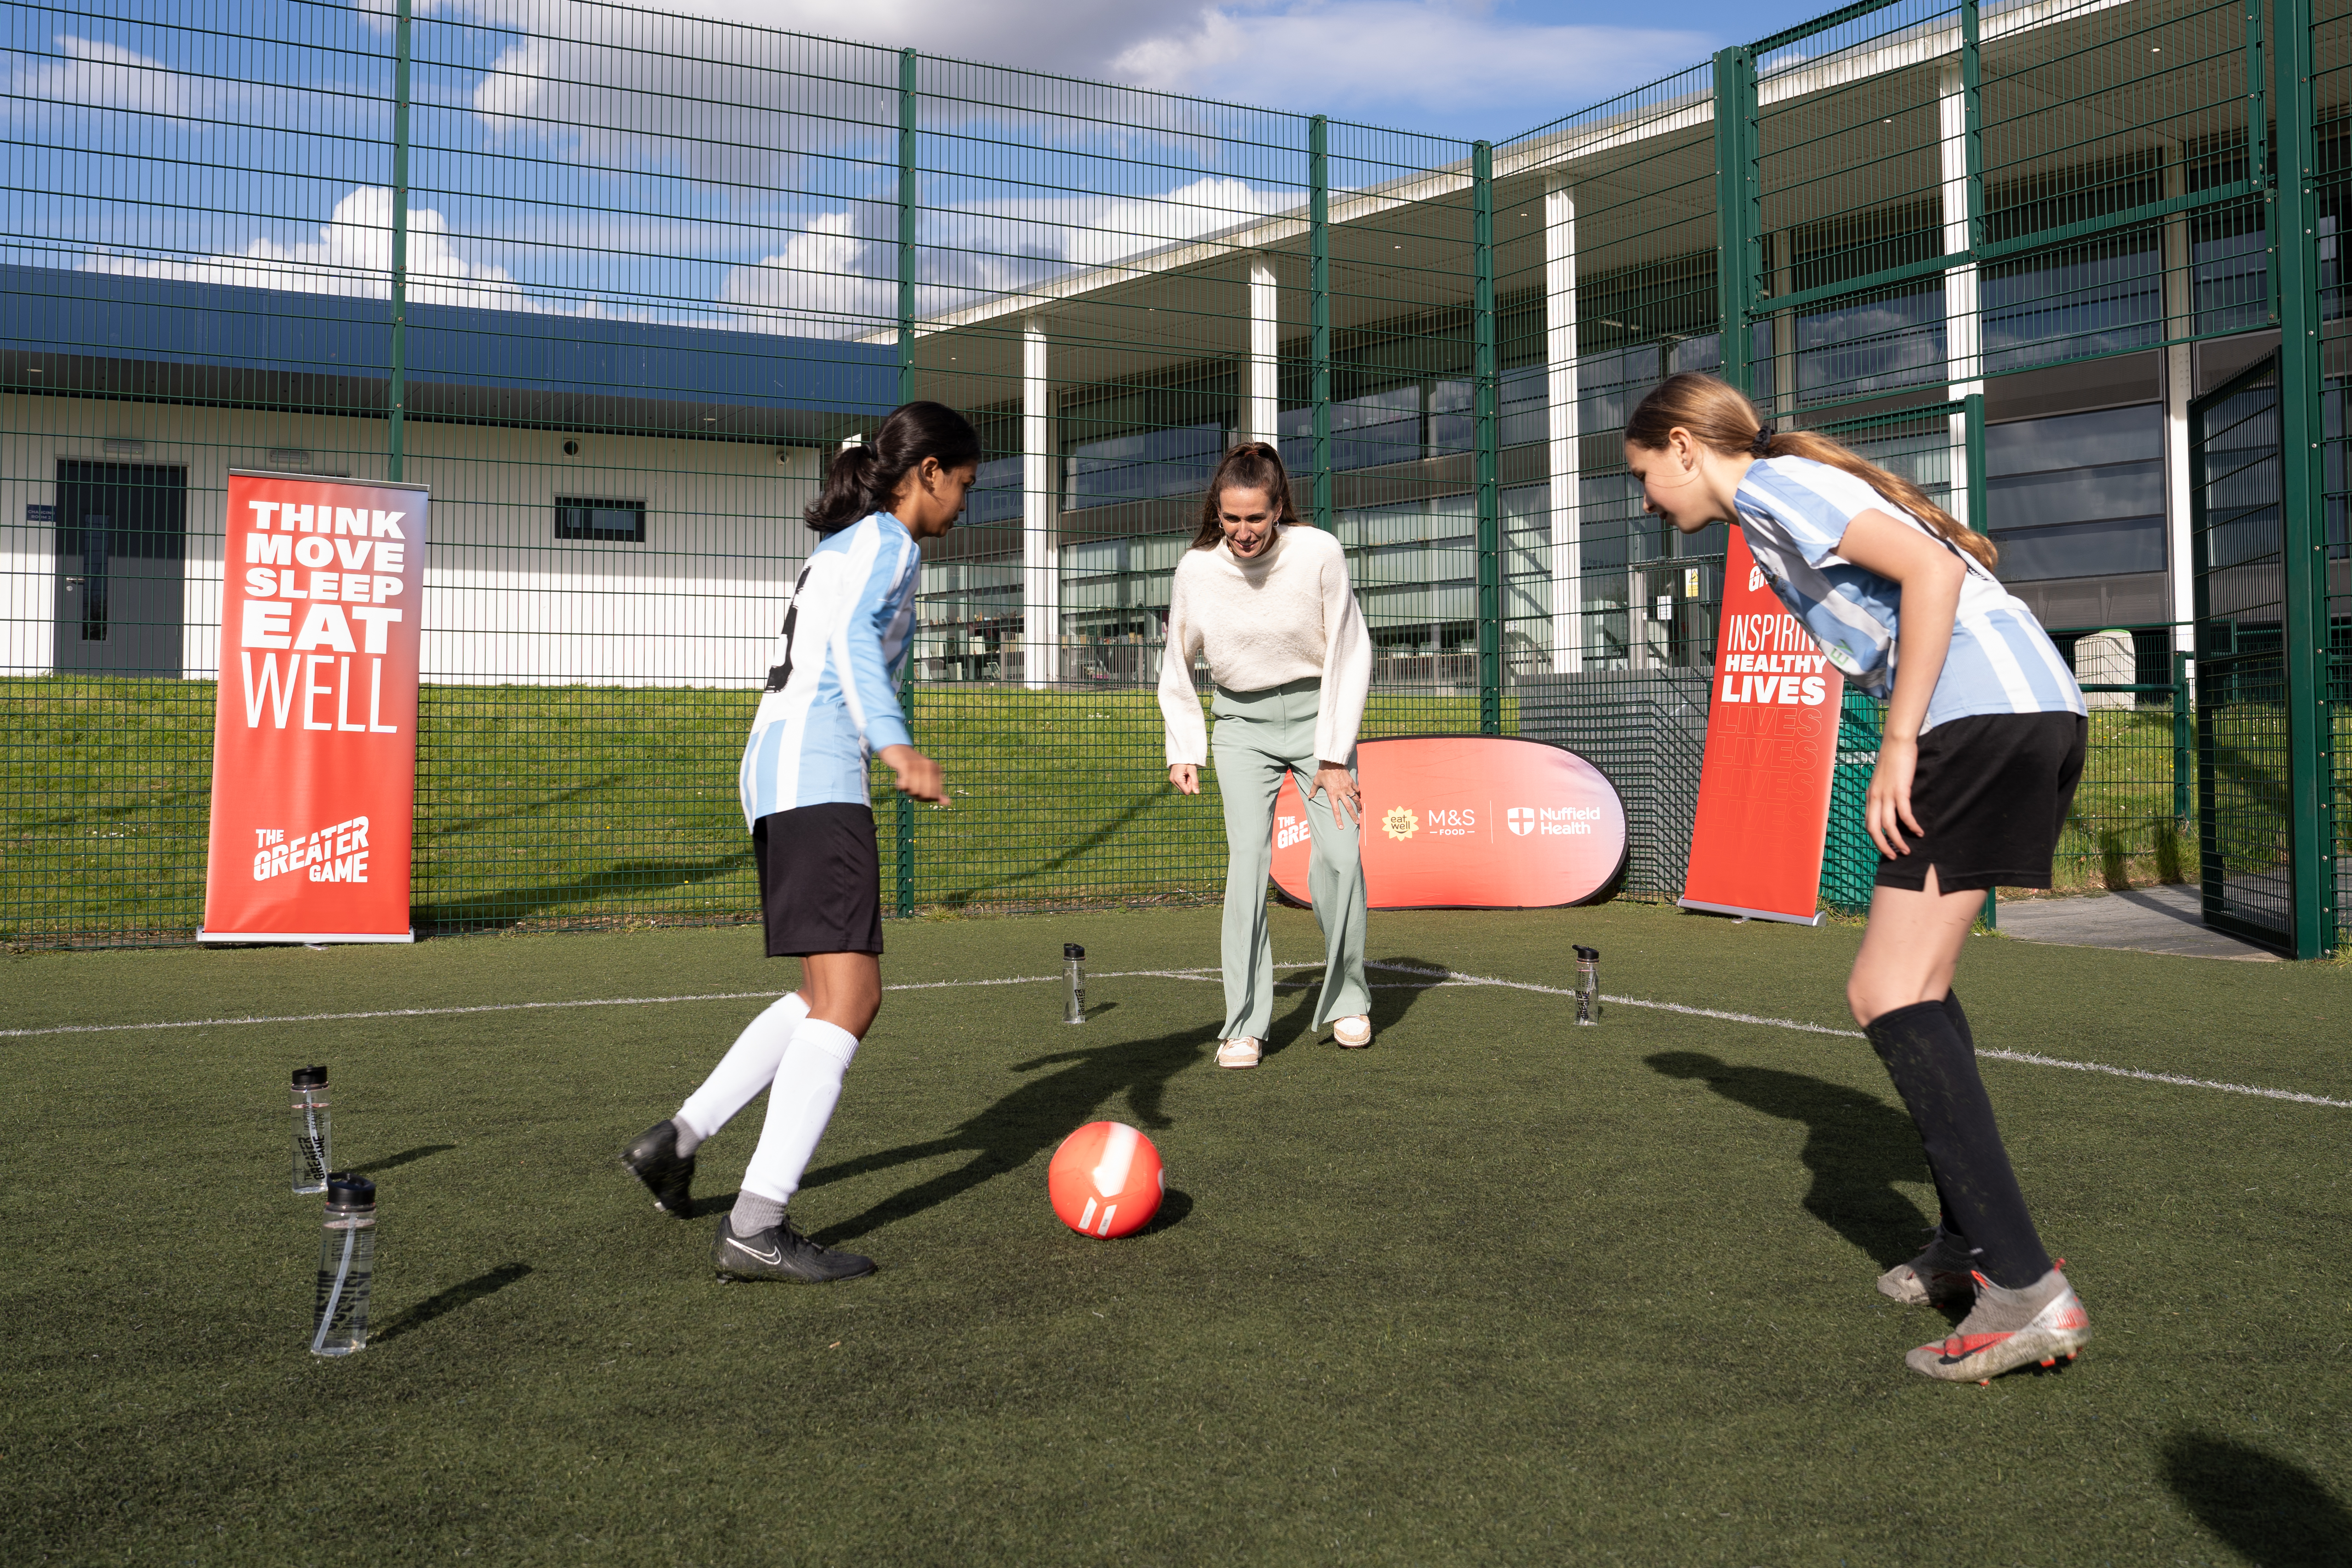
[2077, 495]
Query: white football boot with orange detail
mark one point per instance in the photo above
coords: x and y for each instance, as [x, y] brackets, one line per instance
[2039, 1322]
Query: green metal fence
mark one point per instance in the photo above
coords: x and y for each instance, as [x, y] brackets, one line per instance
[615, 283]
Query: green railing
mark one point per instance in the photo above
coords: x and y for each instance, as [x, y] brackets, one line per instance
[591, 262]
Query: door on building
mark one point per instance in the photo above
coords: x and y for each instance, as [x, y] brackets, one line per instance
[2237, 543]
[121, 549]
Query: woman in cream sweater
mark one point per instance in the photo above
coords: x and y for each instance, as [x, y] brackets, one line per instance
[1269, 602]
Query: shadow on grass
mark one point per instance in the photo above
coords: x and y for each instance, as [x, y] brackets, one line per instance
[406, 1156]
[1026, 1122]
[2271, 1511]
[1392, 998]
[961, 897]
[628, 877]
[1039, 1114]
[146, 806]
[459, 1295]
[1857, 1147]
[1174, 1204]
[536, 803]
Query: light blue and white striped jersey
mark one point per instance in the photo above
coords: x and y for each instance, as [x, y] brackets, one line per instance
[1794, 512]
[832, 698]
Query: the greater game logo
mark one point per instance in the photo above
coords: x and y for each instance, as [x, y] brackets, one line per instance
[336, 854]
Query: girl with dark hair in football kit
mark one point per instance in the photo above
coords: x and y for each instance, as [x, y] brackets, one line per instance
[1983, 742]
[831, 702]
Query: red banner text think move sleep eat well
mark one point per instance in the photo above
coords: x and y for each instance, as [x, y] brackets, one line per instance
[314, 740]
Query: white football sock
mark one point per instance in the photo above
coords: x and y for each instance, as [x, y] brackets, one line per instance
[807, 1088]
[747, 1067]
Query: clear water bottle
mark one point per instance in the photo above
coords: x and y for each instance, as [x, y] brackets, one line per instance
[1074, 969]
[313, 1139]
[1588, 984]
[339, 1313]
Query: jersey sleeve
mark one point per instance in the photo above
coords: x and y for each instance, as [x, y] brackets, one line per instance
[857, 646]
[1808, 507]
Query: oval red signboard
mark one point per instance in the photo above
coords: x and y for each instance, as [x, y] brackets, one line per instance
[1471, 821]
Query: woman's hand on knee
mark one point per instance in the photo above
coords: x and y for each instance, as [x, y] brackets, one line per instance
[1346, 803]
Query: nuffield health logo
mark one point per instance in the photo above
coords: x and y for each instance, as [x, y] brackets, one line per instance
[1522, 819]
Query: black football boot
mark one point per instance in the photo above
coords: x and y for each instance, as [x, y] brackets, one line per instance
[655, 1160]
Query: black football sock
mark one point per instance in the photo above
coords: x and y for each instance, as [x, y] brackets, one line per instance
[1945, 1216]
[1936, 1073]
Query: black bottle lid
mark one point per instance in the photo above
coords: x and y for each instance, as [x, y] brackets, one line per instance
[310, 1077]
[1072, 950]
[1590, 954]
[347, 1190]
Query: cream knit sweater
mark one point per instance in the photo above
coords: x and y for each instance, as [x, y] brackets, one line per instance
[1284, 616]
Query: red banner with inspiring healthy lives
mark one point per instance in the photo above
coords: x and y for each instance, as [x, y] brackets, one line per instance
[1469, 822]
[314, 738]
[1771, 750]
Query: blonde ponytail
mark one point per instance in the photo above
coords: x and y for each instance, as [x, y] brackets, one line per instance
[1720, 418]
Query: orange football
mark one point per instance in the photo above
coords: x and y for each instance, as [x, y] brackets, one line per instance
[1106, 1180]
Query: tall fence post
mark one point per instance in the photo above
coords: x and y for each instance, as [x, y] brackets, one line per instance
[2184, 740]
[1318, 285]
[1972, 482]
[909, 194]
[2304, 544]
[1734, 207]
[1486, 394]
[396, 382]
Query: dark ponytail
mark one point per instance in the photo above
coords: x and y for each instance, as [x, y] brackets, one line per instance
[863, 478]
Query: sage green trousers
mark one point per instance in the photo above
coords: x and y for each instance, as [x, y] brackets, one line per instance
[1260, 736]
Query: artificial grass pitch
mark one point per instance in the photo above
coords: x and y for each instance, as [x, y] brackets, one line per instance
[1497, 1289]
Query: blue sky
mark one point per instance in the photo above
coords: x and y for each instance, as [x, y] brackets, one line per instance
[585, 159]
[1459, 67]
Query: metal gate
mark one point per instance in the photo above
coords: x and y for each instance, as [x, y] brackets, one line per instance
[2238, 537]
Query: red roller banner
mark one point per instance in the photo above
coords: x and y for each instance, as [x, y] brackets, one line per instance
[1771, 748]
[1470, 822]
[314, 738]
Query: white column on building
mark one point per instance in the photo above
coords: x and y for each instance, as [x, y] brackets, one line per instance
[2178, 383]
[1041, 563]
[1562, 434]
[1261, 415]
[1962, 331]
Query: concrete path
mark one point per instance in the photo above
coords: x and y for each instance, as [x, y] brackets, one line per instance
[2148, 919]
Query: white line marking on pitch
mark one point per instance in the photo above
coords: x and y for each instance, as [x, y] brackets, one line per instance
[1436, 977]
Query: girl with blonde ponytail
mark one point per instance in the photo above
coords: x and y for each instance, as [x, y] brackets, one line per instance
[1983, 742]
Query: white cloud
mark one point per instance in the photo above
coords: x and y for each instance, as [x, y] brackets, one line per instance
[826, 282]
[1442, 56]
[351, 255]
[1079, 36]
[831, 281]
[1387, 53]
[94, 75]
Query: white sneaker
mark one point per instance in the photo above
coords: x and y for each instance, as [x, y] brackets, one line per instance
[1353, 1034]
[1238, 1053]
